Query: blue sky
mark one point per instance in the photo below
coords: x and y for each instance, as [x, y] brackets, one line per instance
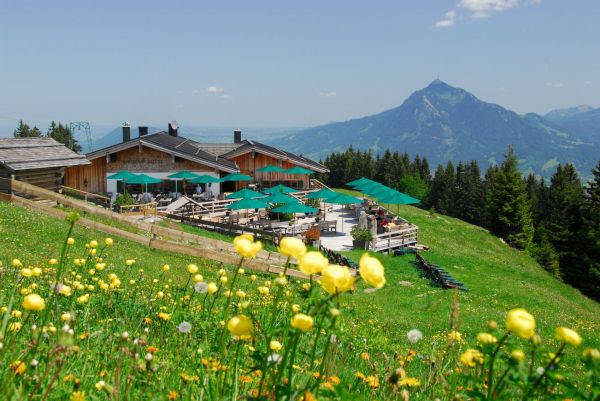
[287, 63]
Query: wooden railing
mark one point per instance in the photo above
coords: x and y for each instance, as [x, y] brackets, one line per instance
[316, 184]
[399, 238]
[86, 196]
[144, 209]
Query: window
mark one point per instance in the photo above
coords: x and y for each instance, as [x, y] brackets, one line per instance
[113, 157]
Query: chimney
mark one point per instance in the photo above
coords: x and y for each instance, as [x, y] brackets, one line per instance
[173, 127]
[237, 136]
[143, 131]
[126, 132]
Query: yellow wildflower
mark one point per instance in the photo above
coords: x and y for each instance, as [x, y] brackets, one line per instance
[245, 246]
[372, 271]
[192, 268]
[240, 326]
[568, 336]
[312, 263]
[275, 345]
[471, 358]
[34, 302]
[336, 279]
[486, 339]
[520, 322]
[302, 322]
[294, 247]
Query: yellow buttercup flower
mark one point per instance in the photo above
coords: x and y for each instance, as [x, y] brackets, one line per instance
[34, 302]
[17, 263]
[295, 308]
[211, 288]
[372, 271]
[240, 326]
[471, 358]
[568, 336]
[302, 322]
[192, 268]
[26, 272]
[275, 345]
[591, 354]
[108, 241]
[336, 279]
[517, 355]
[486, 339]
[312, 263]
[245, 246]
[164, 316]
[70, 241]
[130, 262]
[93, 243]
[520, 322]
[294, 247]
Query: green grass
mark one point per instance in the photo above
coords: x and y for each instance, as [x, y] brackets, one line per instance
[499, 278]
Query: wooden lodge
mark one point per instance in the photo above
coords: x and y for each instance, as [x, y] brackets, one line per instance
[164, 153]
[38, 161]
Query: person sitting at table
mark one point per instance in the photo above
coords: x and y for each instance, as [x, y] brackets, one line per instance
[198, 189]
[381, 212]
[382, 224]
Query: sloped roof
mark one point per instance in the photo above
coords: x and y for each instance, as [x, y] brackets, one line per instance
[35, 153]
[248, 146]
[219, 149]
[177, 145]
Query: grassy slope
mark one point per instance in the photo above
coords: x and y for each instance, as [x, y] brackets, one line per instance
[499, 277]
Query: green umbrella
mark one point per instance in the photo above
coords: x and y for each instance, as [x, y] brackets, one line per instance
[320, 194]
[144, 180]
[247, 203]
[270, 169]
[279, 198]
[294, 208]
[360, 181]
[244, 193]
[282, 189]
[381, 192]
[236, 177]
[182, 175]
[121, 175]
[343, 199]
[205, 179]
[299, 171]
[369, 186]
[399, 199]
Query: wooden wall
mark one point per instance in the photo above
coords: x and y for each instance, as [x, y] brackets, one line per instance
[95, 174]
[47, 178]
[133, 160]
[249, 164]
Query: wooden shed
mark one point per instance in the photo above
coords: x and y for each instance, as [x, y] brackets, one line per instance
[38, 161]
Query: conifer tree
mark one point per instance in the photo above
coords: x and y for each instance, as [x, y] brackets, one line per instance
[62, 133]
[509, 210]
[590, 252]
[24, 131]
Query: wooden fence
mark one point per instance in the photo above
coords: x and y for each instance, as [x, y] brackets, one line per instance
[153, 230]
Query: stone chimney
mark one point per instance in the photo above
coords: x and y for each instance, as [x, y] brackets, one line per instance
[173, 127]
[237, 136]
[126, 132]
[143, 131]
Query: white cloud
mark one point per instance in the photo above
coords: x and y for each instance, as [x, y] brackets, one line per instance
[555, 85]
[448, 21]
[588, 82]
[214, 89]
[327, 94]
[483, 8]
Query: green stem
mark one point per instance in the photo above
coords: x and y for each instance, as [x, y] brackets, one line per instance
[548, 366]
[491, 364]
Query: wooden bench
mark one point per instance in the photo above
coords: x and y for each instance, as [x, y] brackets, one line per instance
[327, 226]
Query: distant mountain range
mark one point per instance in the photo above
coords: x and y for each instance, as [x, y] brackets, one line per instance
[445, 123]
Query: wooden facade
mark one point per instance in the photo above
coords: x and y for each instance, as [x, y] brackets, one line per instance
[138, 159]
[37, 161]
[252, 161]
